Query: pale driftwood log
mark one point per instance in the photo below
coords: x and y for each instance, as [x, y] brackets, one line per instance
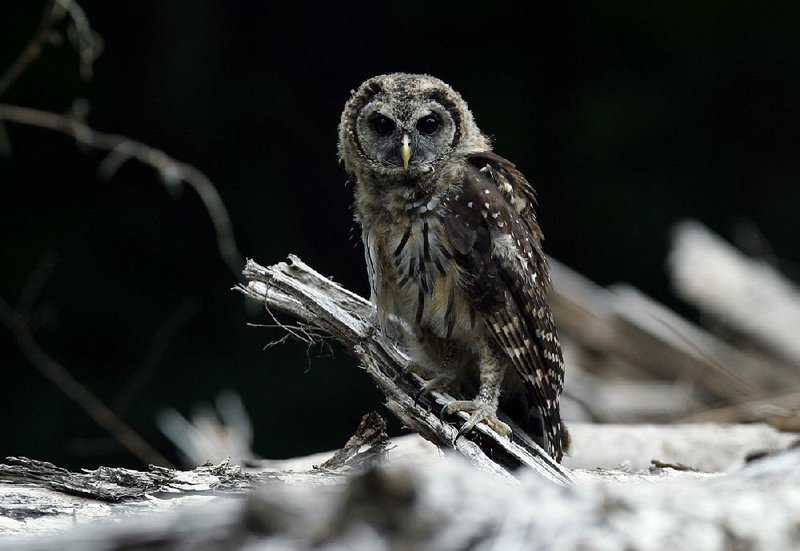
[450, 505]
[39, 497]
[294, 288]
[643, 339]
[706, 447]
[744, 293]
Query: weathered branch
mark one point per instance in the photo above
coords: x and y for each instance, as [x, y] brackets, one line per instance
[645, 340]
[121, 149]
[118, 484]
[48, 366]
[744, 293]
[294, 288]
[81, 34]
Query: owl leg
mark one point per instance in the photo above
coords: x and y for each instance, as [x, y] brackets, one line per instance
[443, 379]
[484, 406]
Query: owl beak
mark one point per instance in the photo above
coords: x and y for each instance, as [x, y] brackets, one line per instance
[405, 151]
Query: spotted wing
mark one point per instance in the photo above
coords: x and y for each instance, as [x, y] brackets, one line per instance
[497, 243]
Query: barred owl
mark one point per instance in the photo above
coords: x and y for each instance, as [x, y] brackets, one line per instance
[453, 250]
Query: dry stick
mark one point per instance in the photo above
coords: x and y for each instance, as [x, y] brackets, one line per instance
[122, 148]
[84, 39]
[155, 352]
[32, 51]
[77, 392]
[296, 289]
[35, 282]
[53, 14]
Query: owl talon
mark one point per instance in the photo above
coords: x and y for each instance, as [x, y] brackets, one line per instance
[418, 395]
[416, 368]
[443, 382]
[480, 411]
[442, 414]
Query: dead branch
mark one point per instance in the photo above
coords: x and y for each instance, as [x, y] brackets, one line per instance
[116, 484]
[122, 149]
[155, 352]
[638, 338]
[76, 391]
[294, 288]
[88, 46]
[80, 33]
[744, 293]
[19, 323]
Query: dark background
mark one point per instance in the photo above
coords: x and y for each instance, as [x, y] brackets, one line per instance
[627, 116]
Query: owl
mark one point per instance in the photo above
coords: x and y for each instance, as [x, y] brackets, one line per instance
[453, 253]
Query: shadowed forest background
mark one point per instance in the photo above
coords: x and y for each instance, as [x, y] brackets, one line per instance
[626, 118]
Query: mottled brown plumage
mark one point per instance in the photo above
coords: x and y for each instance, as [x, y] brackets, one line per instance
[453, 251]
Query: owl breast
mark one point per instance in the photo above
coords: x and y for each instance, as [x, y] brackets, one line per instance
[413, 276]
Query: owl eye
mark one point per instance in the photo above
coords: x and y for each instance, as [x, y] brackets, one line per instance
[429, 124]
[381, 124]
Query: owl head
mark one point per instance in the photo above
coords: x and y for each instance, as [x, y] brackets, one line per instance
[405, 126]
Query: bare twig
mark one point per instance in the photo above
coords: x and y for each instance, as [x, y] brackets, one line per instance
[155, 352]
[298, 332]
[19, 323]
[76, 391]
[83, 38]
[35, 282]
[85, 41]
[32, 51]
[88, 46]
[122, 148]
[301, 332]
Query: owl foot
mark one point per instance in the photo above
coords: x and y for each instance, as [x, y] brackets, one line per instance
[442, 382]
[416, 368]
[480, 411]
[420, 369]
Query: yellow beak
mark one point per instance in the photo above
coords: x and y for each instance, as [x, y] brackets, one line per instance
[405, 151]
